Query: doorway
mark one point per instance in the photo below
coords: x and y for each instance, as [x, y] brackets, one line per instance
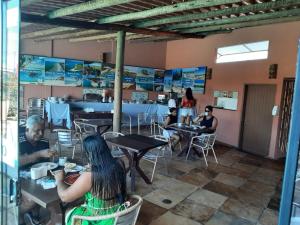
[257, 118]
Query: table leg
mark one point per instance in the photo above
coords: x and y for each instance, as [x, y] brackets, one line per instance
[106, 128]
[130, 168]
[138, 168]
[57, 216]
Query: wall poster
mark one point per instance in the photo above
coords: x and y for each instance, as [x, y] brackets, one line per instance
[159, 80]
[144, 79]
[32, 69]
[74, 71]
[130, 73]
[54, 72]
[168, 81]
[92, 76]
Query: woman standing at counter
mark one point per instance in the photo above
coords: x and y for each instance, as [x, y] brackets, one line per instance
[188, 103]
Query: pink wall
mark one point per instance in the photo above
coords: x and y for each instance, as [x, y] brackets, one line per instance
[234, 76]
[136, 54]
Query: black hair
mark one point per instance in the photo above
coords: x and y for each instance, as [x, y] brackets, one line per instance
[172, 109]
[108, 175]
[209, 107]
[189, 94]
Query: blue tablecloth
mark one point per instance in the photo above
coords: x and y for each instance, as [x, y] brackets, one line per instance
[57, 113]
[130, 109]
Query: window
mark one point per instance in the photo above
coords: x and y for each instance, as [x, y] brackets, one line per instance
[243, 52]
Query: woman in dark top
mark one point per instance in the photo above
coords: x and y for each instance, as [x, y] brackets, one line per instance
[169, 133]
[208, 122]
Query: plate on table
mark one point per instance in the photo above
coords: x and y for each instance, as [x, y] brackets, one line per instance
[70, 179]
[50, 165]
[75, 169]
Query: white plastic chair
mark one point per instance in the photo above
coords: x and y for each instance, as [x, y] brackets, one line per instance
[128, 216]
[35, 106]
[141, 120]
[126, 120]
[154, 154]
[161, 132]
[204, 142]
[115, 151]
[65, 139]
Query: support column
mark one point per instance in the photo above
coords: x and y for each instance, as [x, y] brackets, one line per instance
[119, 81]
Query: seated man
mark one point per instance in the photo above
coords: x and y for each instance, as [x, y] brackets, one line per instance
[169, 133]
[208, 122]
[32, 147]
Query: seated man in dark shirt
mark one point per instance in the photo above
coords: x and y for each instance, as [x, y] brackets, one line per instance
[208, 123]
[32, 144]
[32, 147]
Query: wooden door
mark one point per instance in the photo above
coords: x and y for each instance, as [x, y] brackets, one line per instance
[257, 119]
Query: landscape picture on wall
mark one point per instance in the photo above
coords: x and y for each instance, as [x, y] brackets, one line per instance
[74, 71]
[159, 80]
[90, 74]
[91, 77]
[177, 80]
[144, 79]
[54, 72]
[32, 69]
[130, 73]
[168, 81]
[194, 78]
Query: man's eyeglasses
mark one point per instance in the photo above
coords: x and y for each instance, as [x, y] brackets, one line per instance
[207, 110]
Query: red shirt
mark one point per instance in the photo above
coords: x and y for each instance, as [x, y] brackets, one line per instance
[188, 103]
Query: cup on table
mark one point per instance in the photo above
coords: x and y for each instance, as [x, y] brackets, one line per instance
[62, 161]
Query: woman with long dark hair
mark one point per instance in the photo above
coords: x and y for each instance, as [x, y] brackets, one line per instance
[188, 103]
[104, 186]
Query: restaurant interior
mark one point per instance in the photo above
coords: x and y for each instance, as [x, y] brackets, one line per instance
[154, 112]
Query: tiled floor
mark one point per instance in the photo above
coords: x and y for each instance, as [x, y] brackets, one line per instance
[241, 190]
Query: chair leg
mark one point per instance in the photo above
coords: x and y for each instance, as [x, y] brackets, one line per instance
[204, 156]
[212, 148]
[154, 167]
[74, 147]
[187, 155]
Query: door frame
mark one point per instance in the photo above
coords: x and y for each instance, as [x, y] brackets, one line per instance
[241, 136]
[288, 184]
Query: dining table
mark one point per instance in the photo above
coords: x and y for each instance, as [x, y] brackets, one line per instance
[48, 199]
[192, 131]
[99, 125]
[135, 146]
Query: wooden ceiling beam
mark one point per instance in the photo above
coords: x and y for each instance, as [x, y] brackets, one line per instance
[94, 26]
[25, 3]
[97, 37]
[85, 6]
[292, 12]
[70, 35]
[46, 32]
[178, 7]
[222, 12]
[242, 25]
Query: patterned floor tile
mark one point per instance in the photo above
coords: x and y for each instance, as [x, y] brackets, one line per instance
[170, 218]
[226, 219]
[220, 188]
[149, 212]
[208, 198]
[193, 210]
[269, 217]
[232, 180]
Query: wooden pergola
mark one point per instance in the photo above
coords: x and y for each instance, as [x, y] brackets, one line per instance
[146, 20]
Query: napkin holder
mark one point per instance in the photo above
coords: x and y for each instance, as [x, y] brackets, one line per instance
[39, 172]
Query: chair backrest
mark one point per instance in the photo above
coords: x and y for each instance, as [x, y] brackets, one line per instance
[160, 138]
[160, 129]
[128, 216]
[111, 134]
[35, 111]
[212, 139]
[64, 137]
[142, 117]
[36, 103]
